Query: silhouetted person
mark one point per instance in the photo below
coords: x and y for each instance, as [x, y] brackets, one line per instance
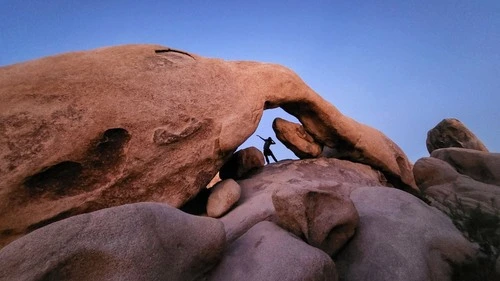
[267, 150]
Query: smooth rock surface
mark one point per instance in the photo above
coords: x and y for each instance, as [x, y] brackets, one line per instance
[142, 241]
[325, 219]
[450, 132]
[295, 138]
[256, 204]
[224, 195]
[447, 188]
[241, 163]
[479, 165]
[267, 252]
[400, 238]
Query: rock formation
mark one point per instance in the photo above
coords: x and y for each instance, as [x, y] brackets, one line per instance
[241, 163]
[224, 195]
[324, 218]
[479, 165]
[295, 138]
[256, 205]
[84, 131]
[447, 188]
[452, 133]
[267, 252]
[142, 241]
[400, 238]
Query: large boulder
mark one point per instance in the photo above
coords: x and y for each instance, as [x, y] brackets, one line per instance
[479, 165]
[267, 252]
[84, 131]
[256, 205]
[449, 190]
[295, 138]
[142, 241]
[451, 132]
[241, 163]
[325, 219]
[400, 238]
[224, 195]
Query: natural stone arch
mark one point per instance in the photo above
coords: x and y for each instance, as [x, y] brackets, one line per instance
[183, 115]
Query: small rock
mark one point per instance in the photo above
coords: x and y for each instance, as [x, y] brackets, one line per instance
[452, 133]
[324, 218]
[224, 195]
[267, 252]
[242, 162]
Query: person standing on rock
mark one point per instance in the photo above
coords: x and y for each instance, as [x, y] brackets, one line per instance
[267, 150]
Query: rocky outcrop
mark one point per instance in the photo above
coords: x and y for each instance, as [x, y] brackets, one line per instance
[295, 138]
[255, 204]
[400, 238]
[241, 163]
[224, 195]
[143, 241]
[479, 165]
[323, 218]
[447, 188]
[452, 133]
[88, 130]
[267, 252]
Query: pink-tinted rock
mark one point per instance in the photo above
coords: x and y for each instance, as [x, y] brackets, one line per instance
[255, 204]
[241, 163]
[224, 195]
[295, 138]
[479, 165]
[324, 218]
[142, 241]
[267, 252]
[400, 238]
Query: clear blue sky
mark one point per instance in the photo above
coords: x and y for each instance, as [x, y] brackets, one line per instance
[398, 66]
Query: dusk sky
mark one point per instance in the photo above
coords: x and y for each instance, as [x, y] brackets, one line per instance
[398, 66]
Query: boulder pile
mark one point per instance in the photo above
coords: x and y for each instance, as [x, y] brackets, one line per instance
[105, 152]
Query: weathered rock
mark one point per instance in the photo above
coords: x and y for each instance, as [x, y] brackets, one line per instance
[256, 204]
[479, 165]
[452, 133]
[224, 195]
[241, 163]
[430, 171]
[143, 241]
[295, 138]
[324, 218]
[88, 130]
[267, 252]
[446, 188]
[400, 238]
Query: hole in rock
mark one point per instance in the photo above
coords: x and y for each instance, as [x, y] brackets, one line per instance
[110, 147]
[197, 205]
[55, 178]
[265, 130]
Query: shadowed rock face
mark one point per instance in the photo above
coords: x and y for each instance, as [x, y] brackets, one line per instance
[87, 130]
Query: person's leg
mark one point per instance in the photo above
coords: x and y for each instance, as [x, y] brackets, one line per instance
[272, 155]
[267, 158]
